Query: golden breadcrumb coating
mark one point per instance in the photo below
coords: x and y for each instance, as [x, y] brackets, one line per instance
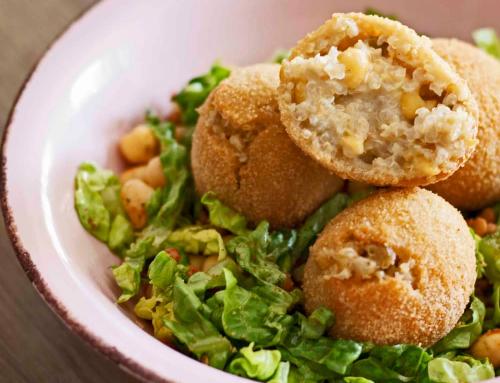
[397, 267]
[477, 184]
[242, 153]
[369, 99]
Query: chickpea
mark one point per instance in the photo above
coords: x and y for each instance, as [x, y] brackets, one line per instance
[426, 166]
[356, 66]
[153, 173]
[299, 92]
[139, 145]
[411, 102]
[352, 146]
[134, 195]
[137, 172]
[491, 228]
[479, 225]
[210, 262]
[489, 215]
[488, 346]
[196, 261]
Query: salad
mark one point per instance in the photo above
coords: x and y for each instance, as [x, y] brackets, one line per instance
[226, 287]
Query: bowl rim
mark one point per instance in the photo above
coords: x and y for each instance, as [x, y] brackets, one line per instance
[24, 257]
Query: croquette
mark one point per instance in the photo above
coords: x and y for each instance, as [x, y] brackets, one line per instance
[477, 184]
[396, 267]
[369, 99]
[242, 152]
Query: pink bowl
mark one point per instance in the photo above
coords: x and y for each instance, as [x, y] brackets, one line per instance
[120, 58]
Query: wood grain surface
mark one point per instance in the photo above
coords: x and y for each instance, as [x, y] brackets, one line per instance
[35, 346]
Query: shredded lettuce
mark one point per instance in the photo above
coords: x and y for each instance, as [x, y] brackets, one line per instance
[162, 271]
[254, 254]
[223, 216]
[468, 329]
[259, 365]
[480, 263]
[459, 369]
[191, 327]
[121, 234]
[281, 373]
[128, 278]
[399, 363]
[357, 379]
[198, 240]
[97, 199]
[317, 323]
[247, 316]
[312, 227]
[490, 248]
[196, 91]
[174, 160]
[488, 41]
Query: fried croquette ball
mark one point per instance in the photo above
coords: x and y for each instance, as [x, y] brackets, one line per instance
[477, 184]
[397, 267]
[369, 99]
[242, 153]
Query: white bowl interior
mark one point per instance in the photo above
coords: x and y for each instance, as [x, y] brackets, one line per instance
[122, 57]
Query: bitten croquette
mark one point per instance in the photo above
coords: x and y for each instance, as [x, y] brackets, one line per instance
[242, 153]
[369, 99]
[397, 267]
[477, 184]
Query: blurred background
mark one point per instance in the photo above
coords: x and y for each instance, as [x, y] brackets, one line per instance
[34, 344]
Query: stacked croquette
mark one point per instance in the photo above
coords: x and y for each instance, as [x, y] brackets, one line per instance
[367, 99]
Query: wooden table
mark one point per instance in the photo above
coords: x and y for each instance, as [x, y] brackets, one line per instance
[35, 346]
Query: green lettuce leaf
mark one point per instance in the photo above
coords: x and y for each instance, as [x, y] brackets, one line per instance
[198, 240]
[336, 355]
[259, 365]
[468, 329]
[490, 248]
[304, 370]
[201, 281]
[97, 199]
[399, 363]
[196, 91]
[247, 316]
[281, 373]
[487, 40]
[253, 253]
[313, 226]
[166, 206]
[314, 326]
[459, 369]
[193, 329]
[162, 271]
[480, 262]
[357, 379]
[128, 278]
[121, 234]
[223, 216]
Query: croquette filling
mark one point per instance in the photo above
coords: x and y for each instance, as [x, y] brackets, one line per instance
[365, 262]
[238, 138]
[368, 106]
